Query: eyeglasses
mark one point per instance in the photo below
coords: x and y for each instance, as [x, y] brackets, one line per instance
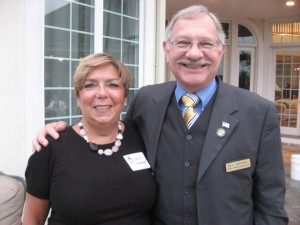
[204, 45]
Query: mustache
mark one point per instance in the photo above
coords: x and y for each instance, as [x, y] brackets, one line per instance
[194, 62]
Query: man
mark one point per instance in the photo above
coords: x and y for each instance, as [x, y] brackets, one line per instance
[222, 166]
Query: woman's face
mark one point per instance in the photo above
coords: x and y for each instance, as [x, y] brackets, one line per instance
[102, 96]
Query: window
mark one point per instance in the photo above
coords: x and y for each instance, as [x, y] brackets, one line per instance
[245, 70]
[226, 29]
[121, 35]
[287, 87]
[246, 47]
[286, 33]
[70, 35]
[245, 35]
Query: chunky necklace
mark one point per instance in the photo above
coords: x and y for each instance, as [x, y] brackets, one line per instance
[96, 148]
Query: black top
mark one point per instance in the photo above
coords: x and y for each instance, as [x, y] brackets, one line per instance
[85, 188]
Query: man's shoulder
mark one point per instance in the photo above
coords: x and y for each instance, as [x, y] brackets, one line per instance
[154, 88]
[157, 89]
[243, 92]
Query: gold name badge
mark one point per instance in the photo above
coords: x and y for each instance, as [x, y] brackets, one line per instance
[238, 165]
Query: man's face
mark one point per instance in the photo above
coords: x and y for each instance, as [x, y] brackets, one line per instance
[193, 75]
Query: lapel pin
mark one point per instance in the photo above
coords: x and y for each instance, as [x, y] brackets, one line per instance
[221, 132]
[225, 124]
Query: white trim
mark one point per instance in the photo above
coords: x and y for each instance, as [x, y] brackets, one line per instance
[142, 54]
[234, 55]
[160, 61]
[290, 141]
[33, 69]
[226, 65]
[147, 40]
[98, 44]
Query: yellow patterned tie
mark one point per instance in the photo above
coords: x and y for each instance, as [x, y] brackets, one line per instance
[189, 114]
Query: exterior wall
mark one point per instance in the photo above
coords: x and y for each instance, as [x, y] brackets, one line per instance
[21, 60]
[12, 99]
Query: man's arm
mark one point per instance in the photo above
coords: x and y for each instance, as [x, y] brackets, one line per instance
[269, 179]
[49, 129]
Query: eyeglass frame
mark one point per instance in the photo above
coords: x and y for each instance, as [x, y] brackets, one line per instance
[188, 47]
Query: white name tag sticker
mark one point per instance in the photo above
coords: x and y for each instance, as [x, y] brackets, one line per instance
[137, 161]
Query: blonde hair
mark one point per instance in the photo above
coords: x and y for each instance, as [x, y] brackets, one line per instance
[90, 62]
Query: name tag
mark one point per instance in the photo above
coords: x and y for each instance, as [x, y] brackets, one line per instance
[137, 161]
[238, 165]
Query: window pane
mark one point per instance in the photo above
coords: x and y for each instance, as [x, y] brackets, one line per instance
[245, 35]
[134, 71]
[245, 69]
[56, 73]
[130, 53]
[74, 65]
[57, 43]
[82, 45]
[112, 25]
[88, 2]
[130, 29]
[57, 13]
[112, 47]
[75, 120]
[113, 5]
[226, 30]
[286, 33]
[83, 18]
[56, 120]
[75, 108]
[131, 8]
[56, 102]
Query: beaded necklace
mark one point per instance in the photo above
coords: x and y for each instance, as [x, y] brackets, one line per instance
[96, 148]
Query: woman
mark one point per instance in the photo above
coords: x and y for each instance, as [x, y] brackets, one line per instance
[91, 174]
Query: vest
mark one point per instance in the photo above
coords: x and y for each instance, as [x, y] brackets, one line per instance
[178, 156]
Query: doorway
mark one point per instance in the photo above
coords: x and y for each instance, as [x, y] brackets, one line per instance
[286, 91]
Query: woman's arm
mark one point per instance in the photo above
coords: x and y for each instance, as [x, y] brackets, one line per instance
[35, 211]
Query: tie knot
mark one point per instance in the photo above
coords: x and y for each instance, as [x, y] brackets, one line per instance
[190, 100]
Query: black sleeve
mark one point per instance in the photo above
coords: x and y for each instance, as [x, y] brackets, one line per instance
[38, 172]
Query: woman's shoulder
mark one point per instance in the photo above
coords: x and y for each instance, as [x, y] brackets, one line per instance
[67, 133]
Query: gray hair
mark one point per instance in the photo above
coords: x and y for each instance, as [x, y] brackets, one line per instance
[192, 12]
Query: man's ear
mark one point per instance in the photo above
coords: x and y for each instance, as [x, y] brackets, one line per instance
[166, 50]
[223, 48]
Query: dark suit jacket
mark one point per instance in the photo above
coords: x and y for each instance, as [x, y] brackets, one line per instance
[253, 195]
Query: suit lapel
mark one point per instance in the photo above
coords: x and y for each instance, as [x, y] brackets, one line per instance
[155, 117]
[221, 117]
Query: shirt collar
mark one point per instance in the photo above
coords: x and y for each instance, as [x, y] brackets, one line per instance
[204, 94]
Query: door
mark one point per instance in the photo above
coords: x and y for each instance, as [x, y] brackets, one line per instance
[286, 91]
